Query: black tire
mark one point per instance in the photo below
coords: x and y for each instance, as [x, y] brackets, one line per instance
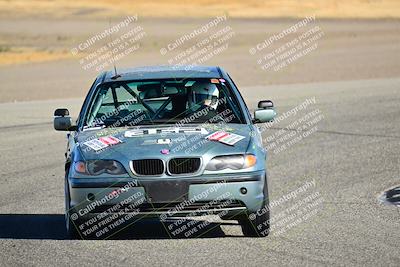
[72, 231]
[256, 224]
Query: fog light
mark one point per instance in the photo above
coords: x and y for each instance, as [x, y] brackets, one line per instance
[243, 190]
[91, 196]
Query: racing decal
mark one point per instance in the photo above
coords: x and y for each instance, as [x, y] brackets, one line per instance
[140, 132]
[225, 138]
[95, 144]
[102, 142]
[109, 140]
[163, 141]
[133, 133]
[164, 151]
[217, 136]
[151, 131]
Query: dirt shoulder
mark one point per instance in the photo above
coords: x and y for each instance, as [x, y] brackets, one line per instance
[348, 50]
[201, 8]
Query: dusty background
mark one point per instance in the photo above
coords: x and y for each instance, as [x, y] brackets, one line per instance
[360, 42]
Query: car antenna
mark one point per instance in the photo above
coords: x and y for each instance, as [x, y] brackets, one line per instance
[116, 75]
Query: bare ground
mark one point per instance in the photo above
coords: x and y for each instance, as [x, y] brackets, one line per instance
[349, 49]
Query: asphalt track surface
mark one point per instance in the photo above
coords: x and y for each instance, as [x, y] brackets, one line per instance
[353, 156]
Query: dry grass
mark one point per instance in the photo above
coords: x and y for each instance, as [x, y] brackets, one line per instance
[203, 8]
[88, 9]
[11, 56]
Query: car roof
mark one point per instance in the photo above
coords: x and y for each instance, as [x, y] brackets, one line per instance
[162, 72]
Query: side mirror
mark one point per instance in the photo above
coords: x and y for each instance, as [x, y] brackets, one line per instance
[265, 104]
[265, 112]
[61, 112]
[62, 120]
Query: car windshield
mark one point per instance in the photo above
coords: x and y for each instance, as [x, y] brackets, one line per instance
[133, 103]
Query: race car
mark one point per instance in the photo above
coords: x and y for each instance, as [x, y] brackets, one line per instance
[164, 142]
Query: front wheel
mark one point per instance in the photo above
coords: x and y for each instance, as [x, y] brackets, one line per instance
[71, 227]
[72, 231]
[257, 224]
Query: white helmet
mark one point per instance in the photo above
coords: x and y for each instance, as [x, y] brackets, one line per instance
[204, 93]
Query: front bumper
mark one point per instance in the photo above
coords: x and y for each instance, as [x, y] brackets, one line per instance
[175, 196]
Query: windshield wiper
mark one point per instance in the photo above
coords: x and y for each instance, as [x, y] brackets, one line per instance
[88, 127]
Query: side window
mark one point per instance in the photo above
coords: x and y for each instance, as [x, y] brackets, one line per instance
[111, 104]
[81, 112]
[124, 101]
[108, 98]
[124, 96]
[104, 103]
[247, 109]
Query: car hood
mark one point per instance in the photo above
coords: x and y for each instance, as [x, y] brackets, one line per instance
[152, 142]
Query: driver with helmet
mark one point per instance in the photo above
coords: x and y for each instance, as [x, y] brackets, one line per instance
[203, 99]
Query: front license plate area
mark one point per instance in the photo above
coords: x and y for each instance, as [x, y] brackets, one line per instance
[166, 191]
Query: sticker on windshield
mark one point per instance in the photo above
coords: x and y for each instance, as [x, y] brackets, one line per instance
[225, 138]
[140, 132]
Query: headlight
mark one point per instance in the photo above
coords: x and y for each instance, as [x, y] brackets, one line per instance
[97, 167]
[233, 162]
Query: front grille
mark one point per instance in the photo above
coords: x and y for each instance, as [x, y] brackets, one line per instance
[148, 166]
[183, 165]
